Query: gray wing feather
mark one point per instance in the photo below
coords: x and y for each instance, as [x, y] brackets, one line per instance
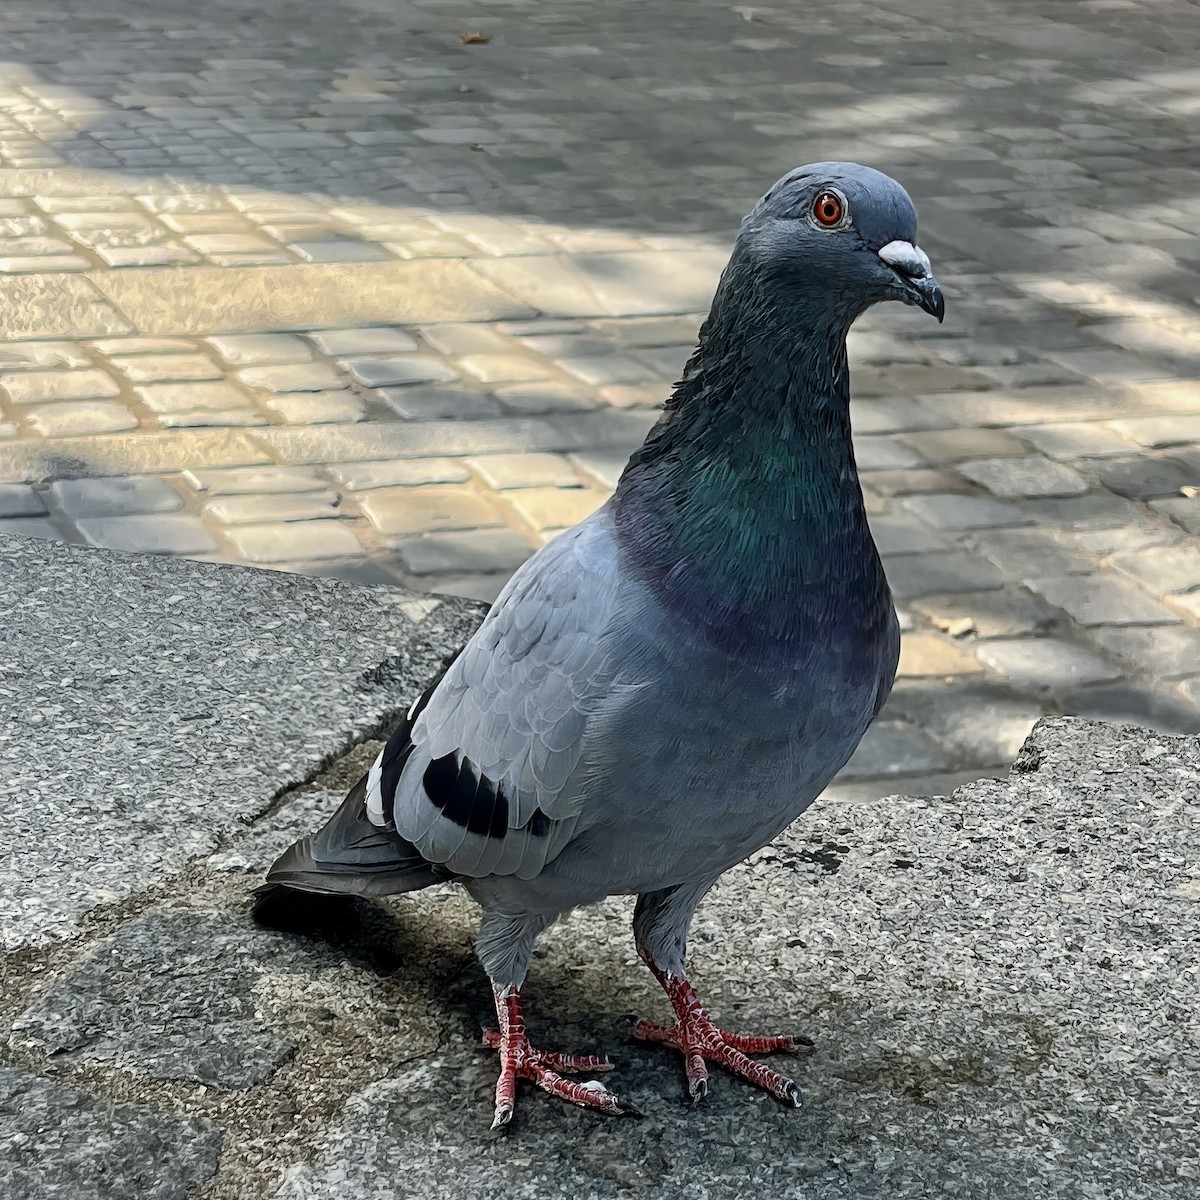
[516, 704]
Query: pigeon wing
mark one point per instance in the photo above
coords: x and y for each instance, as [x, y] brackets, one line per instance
[485, 778]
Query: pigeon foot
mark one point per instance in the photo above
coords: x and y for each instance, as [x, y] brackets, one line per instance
[520, 1060]
[700, 1041]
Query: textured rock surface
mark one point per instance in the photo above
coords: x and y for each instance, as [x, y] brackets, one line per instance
[152, 706]
[1002, 987]
[1002, 984]
[56, 1142]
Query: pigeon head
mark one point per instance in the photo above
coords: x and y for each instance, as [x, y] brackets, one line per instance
[838, 236]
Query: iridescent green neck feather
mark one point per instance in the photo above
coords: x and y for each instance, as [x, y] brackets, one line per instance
[743, 509]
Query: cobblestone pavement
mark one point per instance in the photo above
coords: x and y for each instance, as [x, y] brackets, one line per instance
[389, 290]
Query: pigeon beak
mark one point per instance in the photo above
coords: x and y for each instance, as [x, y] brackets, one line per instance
[911, 263]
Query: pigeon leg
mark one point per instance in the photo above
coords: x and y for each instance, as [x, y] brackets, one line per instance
[520, 1060]
[701, 1041]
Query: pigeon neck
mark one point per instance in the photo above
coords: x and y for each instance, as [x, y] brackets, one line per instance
[743, 509]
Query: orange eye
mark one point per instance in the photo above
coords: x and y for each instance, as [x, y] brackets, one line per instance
[828, 208]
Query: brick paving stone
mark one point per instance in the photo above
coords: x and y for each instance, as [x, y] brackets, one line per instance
[1161, 569]
[164, 368]
[1020, 553]
[260, 349]
[338, 251]
[1157, 652]
[894, 748]
[222, 418]
[923, 574]
[880, 452]
[900, 535]
[316, 408]
[289, 541]
[951, 511]
[240, 481]
[1170, 709]
[1167, 395]
[114, 497]
[473, 552]
[1006, 612]
[554, 507]
[1144, 477]
[34, 387]
[128, 346]
[337, 343]
[667, 362]
[1028, 406]
[886, 415]
[438, 402]
[545, 397]
[635, 395]
[38, 527]
[173, 533]
[1028, 476]
[1073, 440]
[503, 471]
[1159, 432]
[915, 481]
[34, 356]
[292, 377]
[504, 368]
[1183, 510]
[69, 418]
[982, 720]
[1101, 600]
[465, 339]
[954, 445]
[603, 369]
[928, 654]
[399, 370]
[412, 472]
[229, 243]
[20, 500]
[1128, 537]
[398, 511]
[597, 213]
[191, 397]
[1046, 662]
[604, 466]
[246, 510]
[578, 342]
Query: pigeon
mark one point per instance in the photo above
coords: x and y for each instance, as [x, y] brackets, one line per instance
[660, 690]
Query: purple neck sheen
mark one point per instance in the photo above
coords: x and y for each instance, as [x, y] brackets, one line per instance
[743, 511]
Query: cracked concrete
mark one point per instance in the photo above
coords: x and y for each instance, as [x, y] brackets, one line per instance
[1001, 983]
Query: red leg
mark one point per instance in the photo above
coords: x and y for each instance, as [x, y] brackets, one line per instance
[699, 1040]
[520, 1060]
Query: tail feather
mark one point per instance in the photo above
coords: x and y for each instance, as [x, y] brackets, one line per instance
[347, 857]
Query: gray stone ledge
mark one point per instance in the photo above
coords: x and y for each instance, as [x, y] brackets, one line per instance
[152, 706]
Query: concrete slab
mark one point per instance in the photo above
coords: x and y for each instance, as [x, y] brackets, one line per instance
[151, 706]
[1001, 986]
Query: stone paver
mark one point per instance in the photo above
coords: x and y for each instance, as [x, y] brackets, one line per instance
[304, 284]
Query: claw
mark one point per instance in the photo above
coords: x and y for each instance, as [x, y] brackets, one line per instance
[701, 1041]
[521, 1060]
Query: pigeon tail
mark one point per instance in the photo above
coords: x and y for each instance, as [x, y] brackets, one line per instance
[347, 857]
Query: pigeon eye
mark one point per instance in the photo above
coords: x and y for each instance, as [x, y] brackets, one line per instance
[828, 208]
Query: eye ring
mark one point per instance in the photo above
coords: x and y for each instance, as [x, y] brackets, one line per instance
[829, 208]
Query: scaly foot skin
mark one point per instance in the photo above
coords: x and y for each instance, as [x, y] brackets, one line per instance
[520, 1060]
[699, 1040]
